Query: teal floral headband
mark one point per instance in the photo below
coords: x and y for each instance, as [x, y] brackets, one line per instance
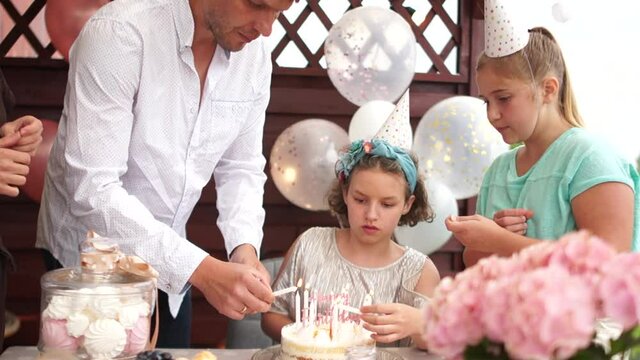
[376, 147]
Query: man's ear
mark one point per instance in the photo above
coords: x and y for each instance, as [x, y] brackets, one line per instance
[550, 88]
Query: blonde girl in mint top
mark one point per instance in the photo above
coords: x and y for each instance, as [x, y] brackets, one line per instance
[561, 179]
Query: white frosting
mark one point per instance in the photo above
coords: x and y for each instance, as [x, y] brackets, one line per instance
[77, 324]
[105, 339]
[321, 342]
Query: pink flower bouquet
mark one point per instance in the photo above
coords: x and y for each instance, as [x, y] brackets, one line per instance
[543, 303]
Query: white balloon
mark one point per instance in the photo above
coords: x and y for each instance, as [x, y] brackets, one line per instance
[302, 161]
[455, 144]
[371, 55]
[561, 11]
[428, 237]
[369, 118]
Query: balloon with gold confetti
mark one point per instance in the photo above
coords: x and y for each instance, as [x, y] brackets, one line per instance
[455, 144]
[303, 159]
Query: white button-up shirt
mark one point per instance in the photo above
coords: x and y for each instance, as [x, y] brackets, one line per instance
[136, 145]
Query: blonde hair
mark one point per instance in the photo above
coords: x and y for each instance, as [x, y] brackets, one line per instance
[542, 56]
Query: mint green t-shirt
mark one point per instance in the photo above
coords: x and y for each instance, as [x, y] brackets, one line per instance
[574, 162]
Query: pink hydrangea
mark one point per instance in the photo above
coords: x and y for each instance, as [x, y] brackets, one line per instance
[583, 254]
[452, 321]
[540, 303]
[542, 314]
[619, 290]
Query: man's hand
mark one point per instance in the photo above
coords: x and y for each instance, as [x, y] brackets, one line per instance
[14, 167]
[233, 289]
[24, 134]
[391, 322]
[514, 220]
[246, 254]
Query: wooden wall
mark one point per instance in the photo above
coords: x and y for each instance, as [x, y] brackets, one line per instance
[39, 88]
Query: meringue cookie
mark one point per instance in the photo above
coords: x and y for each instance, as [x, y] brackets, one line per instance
[138, 336]
[128, 315]
[54, 335]
[59, 308]
[106, 306]
[77, 324]
[105, 339]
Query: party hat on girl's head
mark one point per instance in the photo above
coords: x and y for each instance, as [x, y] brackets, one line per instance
[396, 130]
[505, 31]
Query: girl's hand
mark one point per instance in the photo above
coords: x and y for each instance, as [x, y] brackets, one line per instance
[474, 231]
[30, 132]
[391, 322]
[514, 220]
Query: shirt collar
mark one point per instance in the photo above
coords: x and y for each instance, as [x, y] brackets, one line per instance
[185, 25]
[184, 22]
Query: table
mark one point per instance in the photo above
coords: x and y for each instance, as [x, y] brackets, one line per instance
[31, 353]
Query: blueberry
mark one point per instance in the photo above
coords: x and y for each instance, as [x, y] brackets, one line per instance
[166, 356]
[154, 355]
[145, 355]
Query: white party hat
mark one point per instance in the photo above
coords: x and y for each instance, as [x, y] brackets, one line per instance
[396, 130]
[505, 31]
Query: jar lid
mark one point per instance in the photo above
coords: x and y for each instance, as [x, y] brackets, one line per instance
[104, 270]
[78, 279]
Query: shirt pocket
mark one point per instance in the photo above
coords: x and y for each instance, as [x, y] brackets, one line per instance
[221, 128]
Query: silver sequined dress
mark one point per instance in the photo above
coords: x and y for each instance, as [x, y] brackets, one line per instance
[316, 259]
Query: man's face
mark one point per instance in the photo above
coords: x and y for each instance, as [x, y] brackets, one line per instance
[235, 23]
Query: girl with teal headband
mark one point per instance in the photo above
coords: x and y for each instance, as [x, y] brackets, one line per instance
[378, 188]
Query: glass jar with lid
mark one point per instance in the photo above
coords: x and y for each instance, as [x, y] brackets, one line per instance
[100, 310]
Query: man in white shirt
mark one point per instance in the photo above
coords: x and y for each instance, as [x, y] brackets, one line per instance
[161, 95]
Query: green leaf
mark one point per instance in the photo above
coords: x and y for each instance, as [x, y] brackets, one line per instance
[485, 350]
[593, 352]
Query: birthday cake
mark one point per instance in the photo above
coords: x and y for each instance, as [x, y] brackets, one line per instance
[322, 341]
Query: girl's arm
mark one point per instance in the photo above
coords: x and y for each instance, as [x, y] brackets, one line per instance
[426, 285]
[272, 323]
[514, 220]
[607, 210]
[471, 257]
[478, 233]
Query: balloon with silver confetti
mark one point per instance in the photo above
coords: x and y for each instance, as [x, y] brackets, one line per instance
[302, 161]
[371, 55]
[455, 144]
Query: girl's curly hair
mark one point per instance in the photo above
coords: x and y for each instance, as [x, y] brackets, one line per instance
[420, 210]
